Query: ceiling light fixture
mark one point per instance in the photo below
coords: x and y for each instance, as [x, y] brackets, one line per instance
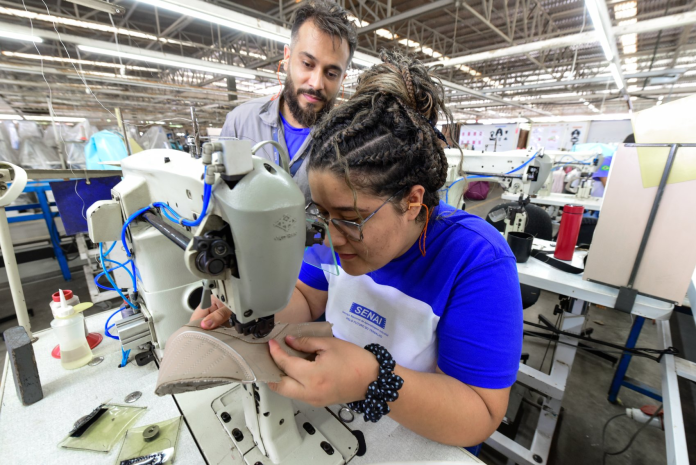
[10, 117]
[160, 61]
[595, 16]
[222, 16]
[103, 64]
[22, 37]
[57, 119]
[578, 118]
[101, 6]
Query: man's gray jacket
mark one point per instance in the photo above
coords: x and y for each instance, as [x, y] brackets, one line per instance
[258, 120]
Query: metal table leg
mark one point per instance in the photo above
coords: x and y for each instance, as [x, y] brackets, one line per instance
[8, 256]
[53, 232]
[620, 379]
[553, 386]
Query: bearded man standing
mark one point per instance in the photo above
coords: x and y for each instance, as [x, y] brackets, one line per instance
[322, 44]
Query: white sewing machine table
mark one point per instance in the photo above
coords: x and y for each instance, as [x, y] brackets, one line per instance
[543, 276]
[31, 434]
[559, 200]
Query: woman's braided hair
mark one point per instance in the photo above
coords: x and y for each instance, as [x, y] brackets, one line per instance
[384, 139]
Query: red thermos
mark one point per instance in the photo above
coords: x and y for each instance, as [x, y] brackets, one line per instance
[569, 231]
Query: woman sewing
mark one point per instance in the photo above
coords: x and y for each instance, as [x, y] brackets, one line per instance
[427, 301]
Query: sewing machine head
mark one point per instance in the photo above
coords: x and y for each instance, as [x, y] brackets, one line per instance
[247, 249]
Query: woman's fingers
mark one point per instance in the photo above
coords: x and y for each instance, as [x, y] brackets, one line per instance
[216, 318]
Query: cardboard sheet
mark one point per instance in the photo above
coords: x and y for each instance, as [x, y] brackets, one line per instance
[670, 256]
[668, 123]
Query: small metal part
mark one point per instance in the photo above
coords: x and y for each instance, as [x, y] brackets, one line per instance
[326, 447]
[237, 435]
[309, 428]
[96, 361]
[132, 397]
[225, 417]
[537, 458]
[143, 358]
[346, 415]
[151, 432]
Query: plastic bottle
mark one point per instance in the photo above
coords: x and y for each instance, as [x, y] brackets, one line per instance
[68, 326]
[70, 299]
[569, 231]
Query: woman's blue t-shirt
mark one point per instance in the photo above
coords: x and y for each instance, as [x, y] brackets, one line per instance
[458, 308]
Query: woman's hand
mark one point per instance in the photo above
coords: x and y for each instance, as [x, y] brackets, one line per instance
[339, 374]
[215, 315]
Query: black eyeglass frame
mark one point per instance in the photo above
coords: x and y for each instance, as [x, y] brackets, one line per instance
[337, 222]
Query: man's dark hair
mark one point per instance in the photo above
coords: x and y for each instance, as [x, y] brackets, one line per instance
[329, 18]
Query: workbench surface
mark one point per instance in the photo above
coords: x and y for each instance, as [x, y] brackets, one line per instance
[30, 435]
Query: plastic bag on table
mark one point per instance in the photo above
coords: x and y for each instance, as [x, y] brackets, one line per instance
[150, 439]
[7, 153]
[103, 428]
[28, 129]
[34, 153]
[104, 146]
[154, 138]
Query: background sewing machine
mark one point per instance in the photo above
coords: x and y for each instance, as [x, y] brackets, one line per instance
[521, 173]
[247, 249]
[525, 173]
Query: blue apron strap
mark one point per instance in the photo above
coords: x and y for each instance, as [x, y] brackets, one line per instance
[295, 167]
[275, 151]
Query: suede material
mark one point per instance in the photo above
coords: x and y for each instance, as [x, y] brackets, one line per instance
[197, 359]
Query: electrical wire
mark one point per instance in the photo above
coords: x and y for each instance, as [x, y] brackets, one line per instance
[170, 214]
[596, 349]
[558, 321]
[633, 438]
[107, 327]
[108, 276]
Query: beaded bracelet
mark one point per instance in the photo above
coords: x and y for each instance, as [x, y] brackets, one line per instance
[382, 390]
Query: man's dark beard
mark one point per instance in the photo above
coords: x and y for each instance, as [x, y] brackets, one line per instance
[306, 117]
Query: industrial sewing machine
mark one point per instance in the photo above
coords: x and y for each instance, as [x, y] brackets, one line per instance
[525, 176]
[246, 249]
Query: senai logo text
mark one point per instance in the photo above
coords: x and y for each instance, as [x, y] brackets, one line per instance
[369, 315]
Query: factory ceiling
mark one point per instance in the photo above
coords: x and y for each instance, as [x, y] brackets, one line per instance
[499, 59]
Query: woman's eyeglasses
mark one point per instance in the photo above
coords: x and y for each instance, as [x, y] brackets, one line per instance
[350, 229]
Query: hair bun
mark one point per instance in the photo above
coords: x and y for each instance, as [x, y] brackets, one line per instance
[423, 92]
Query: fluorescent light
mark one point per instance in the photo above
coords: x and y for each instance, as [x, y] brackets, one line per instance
[23, 37]
[57, 119]
[190, 9]
[615, 74]
[160, 61]
[267, 90]
[360, 62]
[11, 117]
[85, 25]
[577, 118]
[78, 62]
[101, 6]
[593, 10]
